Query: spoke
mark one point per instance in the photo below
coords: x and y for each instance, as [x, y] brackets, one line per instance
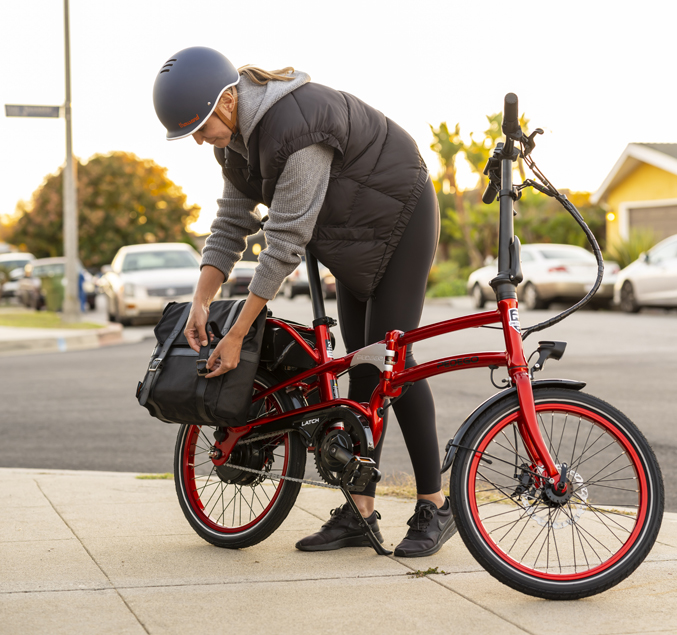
[573, 451]
[223, 513]
[510, 443]
[573, 526]
[554, 540]
[532, 544]
[580, 461]
[547, 538]
[222, 510]
[594, 538]
[524, 513]
[208, 478]
[210, 499]
[607, 465]
[621, 489]
[496, 501]
[564, 425]
[608, 511]
[585, 445]
[609, 528]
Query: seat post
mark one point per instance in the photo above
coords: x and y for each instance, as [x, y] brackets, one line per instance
[315, 286]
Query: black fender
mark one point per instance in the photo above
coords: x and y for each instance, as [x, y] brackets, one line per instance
[453, 444]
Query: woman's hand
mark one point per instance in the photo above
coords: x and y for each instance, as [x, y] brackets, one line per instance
[226, 355]
[196, 326]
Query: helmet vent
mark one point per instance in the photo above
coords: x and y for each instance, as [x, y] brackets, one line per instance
[166, 70]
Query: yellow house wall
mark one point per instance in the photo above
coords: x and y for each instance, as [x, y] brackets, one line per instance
[646, 183]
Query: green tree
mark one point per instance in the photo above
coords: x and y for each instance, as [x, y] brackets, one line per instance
[447, 145]
[122, 200]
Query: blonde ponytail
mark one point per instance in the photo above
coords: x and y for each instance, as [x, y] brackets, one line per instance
[261, 77]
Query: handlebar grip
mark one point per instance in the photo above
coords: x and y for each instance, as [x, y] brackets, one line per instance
[510, 114]
[490, 193]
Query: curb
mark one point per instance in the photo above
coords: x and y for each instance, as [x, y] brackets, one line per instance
[77, 341]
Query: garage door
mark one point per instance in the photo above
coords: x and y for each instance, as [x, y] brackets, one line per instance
[661, 220]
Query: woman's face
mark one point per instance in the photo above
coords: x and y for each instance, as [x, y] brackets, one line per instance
[214, 132]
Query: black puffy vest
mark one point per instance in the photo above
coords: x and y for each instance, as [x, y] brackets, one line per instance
[377, 176]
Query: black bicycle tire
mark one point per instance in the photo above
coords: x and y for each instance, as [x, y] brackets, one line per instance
[282, 505]
[499, 568]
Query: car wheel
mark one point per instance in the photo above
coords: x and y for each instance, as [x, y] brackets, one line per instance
[478, 297]
[226, 291]
[531, 299]
[289, 292]
[118, 318]
[628, 300]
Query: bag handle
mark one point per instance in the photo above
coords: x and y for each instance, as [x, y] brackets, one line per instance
[155, 365]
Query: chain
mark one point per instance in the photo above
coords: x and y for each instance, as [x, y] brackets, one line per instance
[258, 437]
[281, 478]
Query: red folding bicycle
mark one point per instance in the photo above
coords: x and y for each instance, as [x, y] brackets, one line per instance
[555, 492]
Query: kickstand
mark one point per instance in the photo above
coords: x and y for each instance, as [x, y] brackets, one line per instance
[378, 548]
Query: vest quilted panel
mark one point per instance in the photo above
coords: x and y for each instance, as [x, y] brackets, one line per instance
[377, 177]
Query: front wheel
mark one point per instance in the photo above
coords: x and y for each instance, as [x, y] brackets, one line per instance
[236, 508]
[478, 297]
[558, 546]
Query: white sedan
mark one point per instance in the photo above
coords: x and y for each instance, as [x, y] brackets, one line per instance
[143, 279]
[552, 273]
[651, 280]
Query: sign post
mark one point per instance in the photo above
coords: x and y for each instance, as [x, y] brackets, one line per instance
[71, 305]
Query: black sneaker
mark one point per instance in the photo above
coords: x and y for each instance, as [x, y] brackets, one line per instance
[341, 530]
[430, 528]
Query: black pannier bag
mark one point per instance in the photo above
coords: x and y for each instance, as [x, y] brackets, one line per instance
[175, 389]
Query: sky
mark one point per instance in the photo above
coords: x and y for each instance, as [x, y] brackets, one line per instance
[595, 75]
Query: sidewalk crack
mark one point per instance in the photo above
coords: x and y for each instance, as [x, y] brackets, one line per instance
[89, 553]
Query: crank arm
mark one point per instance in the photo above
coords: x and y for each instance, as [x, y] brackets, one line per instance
[378, 548]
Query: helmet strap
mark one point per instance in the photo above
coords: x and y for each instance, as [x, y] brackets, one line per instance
[231, 124]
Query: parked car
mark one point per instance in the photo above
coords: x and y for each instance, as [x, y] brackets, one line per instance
[143, 279]
[29, 288]
[651, 280]
[11, 271]
[296, 283]
[239, 279]
[552, 273]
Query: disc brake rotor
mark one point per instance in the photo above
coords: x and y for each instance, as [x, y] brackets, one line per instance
[575, 503]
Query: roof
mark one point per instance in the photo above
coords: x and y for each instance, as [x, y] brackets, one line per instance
[660, 155]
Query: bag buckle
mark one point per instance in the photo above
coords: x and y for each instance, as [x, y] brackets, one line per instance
[204, 370]
[154, 365]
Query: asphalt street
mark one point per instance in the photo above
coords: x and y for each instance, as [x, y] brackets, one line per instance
[77, 410]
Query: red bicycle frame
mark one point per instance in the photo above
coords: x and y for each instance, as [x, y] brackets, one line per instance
[394, 376]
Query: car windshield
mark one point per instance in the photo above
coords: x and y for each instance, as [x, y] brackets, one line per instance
[174, 259]
[572, 255]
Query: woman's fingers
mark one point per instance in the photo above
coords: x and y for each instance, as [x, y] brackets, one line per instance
[226, 357]
[195, 331]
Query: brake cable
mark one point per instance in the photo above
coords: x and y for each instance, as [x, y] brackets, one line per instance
[549, 190]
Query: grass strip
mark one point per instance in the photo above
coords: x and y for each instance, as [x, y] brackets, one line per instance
[42, 320]
[167, 476]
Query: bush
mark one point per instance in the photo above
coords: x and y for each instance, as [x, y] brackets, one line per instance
[627, 250]
[446, 279]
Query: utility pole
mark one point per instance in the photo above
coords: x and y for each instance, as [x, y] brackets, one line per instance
[71, 305]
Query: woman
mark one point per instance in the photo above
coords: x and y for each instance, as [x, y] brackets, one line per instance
[349, 184]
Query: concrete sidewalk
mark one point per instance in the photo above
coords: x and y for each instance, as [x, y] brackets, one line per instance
[99, 552]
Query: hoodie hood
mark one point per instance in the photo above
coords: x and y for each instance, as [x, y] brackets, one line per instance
[254, 101]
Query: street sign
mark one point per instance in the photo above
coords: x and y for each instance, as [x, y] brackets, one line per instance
[32, 111]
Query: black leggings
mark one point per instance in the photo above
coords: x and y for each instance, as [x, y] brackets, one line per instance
[397, 304]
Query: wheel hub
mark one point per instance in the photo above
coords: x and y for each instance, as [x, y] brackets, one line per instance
[249, 455]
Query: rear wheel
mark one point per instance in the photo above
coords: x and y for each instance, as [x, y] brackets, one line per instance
[234, 508]
[628, 300]
[536, 540]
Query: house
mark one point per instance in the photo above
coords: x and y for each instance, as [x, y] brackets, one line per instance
[640, 192]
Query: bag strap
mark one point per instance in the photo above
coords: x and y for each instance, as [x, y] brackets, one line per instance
[155, 365]
[204, 358]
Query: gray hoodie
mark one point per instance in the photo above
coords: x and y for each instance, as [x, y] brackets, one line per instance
[298, 197]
